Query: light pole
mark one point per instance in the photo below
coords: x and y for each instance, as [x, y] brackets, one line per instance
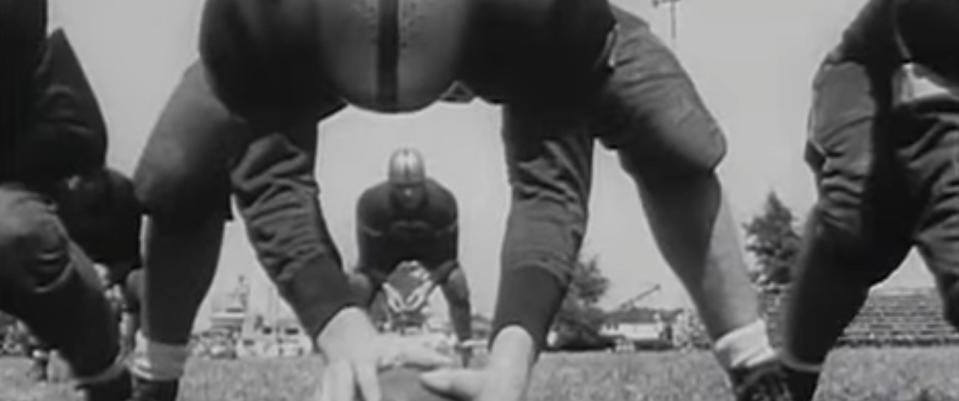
[672, 18]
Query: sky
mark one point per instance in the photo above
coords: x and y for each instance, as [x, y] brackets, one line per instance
[751, 60]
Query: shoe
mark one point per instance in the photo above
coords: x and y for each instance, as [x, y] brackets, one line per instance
[763, 382]
[118, 388]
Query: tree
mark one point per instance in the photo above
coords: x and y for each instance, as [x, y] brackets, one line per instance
[578, 320]
[773, 239]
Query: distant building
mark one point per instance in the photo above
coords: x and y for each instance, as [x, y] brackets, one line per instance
[283, 337]
[639, 328]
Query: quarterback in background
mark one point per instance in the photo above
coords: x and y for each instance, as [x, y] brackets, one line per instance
[412, 217]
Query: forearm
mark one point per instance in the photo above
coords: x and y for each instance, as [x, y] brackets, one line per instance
[305, 266]
[440, 273]
[541, 242]
[278, 198]
[549, 169]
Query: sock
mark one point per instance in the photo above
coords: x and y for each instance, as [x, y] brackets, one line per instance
[744, 347]
[157, 361]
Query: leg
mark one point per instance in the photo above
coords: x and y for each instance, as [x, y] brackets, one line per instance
[182, 181]
[457, 294]
[649, 111]
[49, 284]
[456, 291]
[857, 233]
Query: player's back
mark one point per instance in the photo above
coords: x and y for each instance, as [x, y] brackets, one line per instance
[260, 55]
[388, 56]
[537, 49]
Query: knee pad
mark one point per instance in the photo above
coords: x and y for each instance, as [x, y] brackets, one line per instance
[178, 197]
[35, 247]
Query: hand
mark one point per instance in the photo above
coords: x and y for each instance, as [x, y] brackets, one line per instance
[420, 295]
[354, 352]
[103, 273]
[393, 298]
[505, 378]
[114, 295]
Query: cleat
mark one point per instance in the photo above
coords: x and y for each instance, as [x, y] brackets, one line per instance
[117, 389]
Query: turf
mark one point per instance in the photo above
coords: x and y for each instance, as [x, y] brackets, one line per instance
[927, 374]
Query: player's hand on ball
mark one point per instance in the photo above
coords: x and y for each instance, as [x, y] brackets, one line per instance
[355, 354]
[393, 298]
[504, 378]
[419, 296]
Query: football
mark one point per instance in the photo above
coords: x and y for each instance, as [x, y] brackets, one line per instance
[403, 384]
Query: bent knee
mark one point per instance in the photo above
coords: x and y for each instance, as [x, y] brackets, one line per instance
[180, 195]
[456, 288]
[669, 163]
[32, 240]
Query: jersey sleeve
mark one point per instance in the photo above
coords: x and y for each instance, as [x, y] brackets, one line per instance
[549, 168]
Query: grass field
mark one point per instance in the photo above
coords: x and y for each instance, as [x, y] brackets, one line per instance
[863, 374]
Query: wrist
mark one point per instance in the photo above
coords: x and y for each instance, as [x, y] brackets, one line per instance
[348, 324]
[513, 350]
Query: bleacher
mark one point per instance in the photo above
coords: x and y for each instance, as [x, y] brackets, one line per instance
[890, 317]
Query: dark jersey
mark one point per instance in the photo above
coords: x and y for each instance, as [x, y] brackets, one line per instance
[388, 234]
[264, 62]
[103, 217]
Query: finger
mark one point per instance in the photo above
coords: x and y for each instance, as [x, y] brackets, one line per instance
[323, 393]
[459, 383]
[366, 378]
